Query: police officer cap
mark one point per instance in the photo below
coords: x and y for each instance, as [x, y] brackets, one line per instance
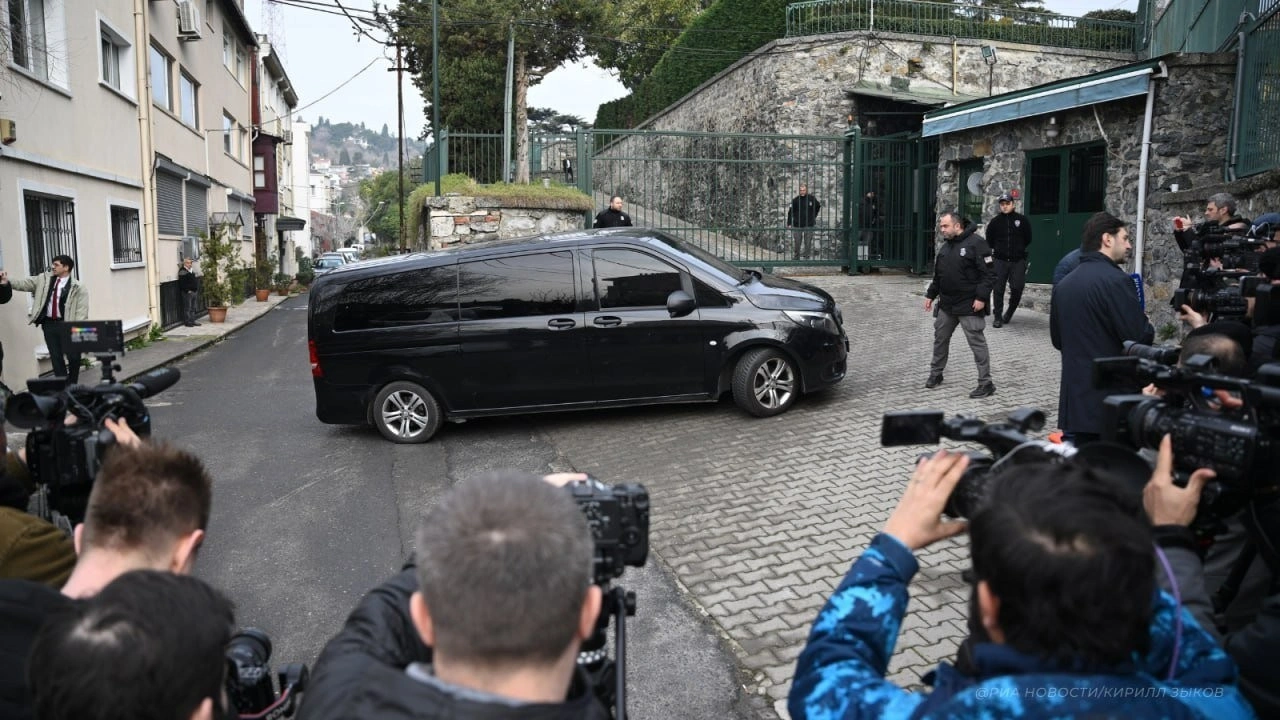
[1005, 197]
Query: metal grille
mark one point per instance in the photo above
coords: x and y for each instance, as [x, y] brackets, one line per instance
[817, 17]
[169, 204]
[51, 230]
[480, 157]
[1258, 139]
[126, 238]
[171, 303]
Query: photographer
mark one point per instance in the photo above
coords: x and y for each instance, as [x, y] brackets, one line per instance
[150, 645]
[1172, 509]
[148, 509]
[489, 623]
[1219, 215]
[1063, 603]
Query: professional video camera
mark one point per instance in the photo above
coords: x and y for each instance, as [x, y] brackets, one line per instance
[1218, 291]
[68, 438]
[252, 694]
[1240, 444]
[619, 519]
[1163, 354]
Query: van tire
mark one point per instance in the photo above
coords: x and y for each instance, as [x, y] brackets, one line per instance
[406, 413]
[765, 382]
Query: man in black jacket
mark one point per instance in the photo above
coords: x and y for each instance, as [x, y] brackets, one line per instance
[1095, 310]
[190, 288]
[961, 285]
[1008, 234]
[488, 626]
[801, 217]
[613, 216]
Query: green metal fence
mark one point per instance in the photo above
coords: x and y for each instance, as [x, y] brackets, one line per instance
[1257, 142]
[902, 172]
[816, 17]
[1199, 26]
[480, 156]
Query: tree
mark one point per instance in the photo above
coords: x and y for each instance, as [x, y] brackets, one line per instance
[357, 158]
[548, 33]
[384, 221]
[634, 34]
[386, 132]
[344, 158]
[1115, 15]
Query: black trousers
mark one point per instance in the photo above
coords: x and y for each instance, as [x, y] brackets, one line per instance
[64, 364]
[1014, 274]
[190, 299]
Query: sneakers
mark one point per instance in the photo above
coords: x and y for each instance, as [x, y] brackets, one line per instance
[983, 390]
[933, 381]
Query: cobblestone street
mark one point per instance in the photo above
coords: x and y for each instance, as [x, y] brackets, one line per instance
[759, 519]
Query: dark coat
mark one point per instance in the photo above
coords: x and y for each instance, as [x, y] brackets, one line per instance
[609, 217]
[804, 211]
[24, 605]
[187, 280]
[1095, 310]
[1069, 262]
[962, 273]
[361, 672]
[1009, 234]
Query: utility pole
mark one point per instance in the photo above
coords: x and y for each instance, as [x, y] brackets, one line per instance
[435, 90]
[404, 240]
[506, 102]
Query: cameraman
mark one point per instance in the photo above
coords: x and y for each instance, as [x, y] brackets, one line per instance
[1219, 216]
[148, 509]
[1253, 647]
[488, 625]
[1064, 603]
[150, 645]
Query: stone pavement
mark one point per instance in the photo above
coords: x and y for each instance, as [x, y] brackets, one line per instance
[759, 519]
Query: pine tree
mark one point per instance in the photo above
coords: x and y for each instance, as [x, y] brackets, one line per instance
[344, 158]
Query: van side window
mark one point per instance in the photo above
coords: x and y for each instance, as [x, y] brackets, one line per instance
[516, 286]
[626, 278]
[416, 297]
[707, 296]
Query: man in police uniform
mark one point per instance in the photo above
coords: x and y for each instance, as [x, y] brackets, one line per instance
[961, 287]
[1008, 234]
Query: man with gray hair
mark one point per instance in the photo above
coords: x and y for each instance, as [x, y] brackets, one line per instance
[1219, 215]
[489, 623]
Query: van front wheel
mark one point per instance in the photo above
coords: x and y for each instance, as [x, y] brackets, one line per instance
[765, 382]
[406, 413]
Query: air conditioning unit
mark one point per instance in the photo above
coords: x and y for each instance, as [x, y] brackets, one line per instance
[189, 25]
[287, 137]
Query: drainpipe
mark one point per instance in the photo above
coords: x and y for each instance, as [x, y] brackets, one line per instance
[1147, 121]
[955, 65]
[1234, 129]
[146, 139]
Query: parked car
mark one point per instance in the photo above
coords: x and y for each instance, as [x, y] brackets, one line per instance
[325, 263]
[565, 322]
[346, 259]
[352, 254]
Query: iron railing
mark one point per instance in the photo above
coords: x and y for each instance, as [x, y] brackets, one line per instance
[1257, 140]
[817, 17]
[480, 156]
[171, 304]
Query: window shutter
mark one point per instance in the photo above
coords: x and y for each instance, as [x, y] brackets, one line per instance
[169, 204]
[197, 209]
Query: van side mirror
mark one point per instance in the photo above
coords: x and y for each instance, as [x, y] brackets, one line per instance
[680, 303]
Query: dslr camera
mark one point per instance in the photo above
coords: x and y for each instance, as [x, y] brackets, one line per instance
[249, 686]
[618, 516]
[67, 438]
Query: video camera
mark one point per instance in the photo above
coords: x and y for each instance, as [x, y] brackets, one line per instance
[68, 438]
[618, 516]
[1220, 292]
[249, 686]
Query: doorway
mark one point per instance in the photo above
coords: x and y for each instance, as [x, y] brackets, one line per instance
[1065, 187]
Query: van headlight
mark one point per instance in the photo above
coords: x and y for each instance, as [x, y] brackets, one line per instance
[815, 320]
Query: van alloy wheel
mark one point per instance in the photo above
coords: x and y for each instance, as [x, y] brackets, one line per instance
[765, 382]
[406, 413]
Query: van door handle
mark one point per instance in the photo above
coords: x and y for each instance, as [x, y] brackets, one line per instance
[608, 321]
[560, 323]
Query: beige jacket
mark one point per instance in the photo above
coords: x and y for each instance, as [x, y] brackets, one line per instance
[77, 305]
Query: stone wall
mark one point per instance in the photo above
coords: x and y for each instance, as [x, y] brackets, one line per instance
[1192, 112]
[457, 220]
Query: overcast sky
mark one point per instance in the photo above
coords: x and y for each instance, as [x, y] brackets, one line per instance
[322, 50]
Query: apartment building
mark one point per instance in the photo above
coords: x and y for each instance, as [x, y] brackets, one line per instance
[299, 185]
[275, 215]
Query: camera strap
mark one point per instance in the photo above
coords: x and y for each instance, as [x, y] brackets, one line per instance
[1177, 611]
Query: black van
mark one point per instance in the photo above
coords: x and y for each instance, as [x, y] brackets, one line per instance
[625, 316]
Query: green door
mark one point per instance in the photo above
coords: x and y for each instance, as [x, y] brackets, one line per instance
[1065, 187]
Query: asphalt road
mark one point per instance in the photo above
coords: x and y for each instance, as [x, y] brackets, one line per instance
[307, 517]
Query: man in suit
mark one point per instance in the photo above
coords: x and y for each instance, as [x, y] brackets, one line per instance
[59, 298]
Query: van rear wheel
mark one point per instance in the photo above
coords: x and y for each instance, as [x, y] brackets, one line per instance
[765, 382]
[406, 413]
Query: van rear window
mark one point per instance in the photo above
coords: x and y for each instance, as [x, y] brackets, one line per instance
[517, 286]
[418, 297]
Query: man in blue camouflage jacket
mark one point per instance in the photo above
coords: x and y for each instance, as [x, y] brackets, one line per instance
[1065, 617]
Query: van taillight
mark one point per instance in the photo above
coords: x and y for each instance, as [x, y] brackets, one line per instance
[316, 370]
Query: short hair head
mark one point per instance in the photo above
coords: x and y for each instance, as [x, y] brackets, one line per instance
[146, 497]
[1071, 561]
[65, 261]
[1225, 201]
[1222, 341]
[504, 564]
[150, 646]
[1103, 223]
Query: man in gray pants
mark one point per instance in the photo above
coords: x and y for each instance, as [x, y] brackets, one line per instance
[962, 279]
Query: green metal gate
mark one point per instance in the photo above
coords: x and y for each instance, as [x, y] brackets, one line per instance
[896, 230]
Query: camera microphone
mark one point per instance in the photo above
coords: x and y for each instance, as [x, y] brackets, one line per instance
[156, 381]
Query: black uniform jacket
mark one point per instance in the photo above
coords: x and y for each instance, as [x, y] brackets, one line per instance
[962, 273]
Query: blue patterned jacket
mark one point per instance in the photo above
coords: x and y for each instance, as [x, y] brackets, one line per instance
[841, 672]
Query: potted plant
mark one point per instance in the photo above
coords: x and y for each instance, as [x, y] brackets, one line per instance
[282, 283]
[262, 277]
[219, 261]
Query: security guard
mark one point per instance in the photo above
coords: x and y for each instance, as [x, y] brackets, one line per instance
[962, 279]
[1009, 234]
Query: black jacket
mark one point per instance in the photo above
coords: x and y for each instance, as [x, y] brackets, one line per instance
[1095, 309]
[803, 211]
[24, 605]
[609, 217]
[962, 273]
[187, 280]
[361, 672]
[1009, 234]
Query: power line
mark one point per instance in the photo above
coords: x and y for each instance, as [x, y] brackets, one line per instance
[340, 86]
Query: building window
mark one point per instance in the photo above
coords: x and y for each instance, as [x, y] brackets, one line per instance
[110, 61]
[228, 48]
[229, 136]
[259, 172]
[161, 78]
[126, 237]
[51, 229]
[188, 90]
[241, 63]
[29, 35]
